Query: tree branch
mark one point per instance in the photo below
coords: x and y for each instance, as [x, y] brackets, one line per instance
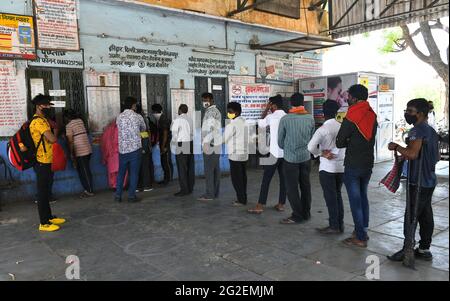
[410, 42]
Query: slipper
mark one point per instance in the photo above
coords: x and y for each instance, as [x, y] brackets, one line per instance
[255, 211]
[288, 221]
[279, 209]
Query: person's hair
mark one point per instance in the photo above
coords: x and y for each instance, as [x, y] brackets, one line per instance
[277, 100]
[420, 104]
[330, 109]
[208, 96]
[297, 100]
[359, 92]
[157, 108]
[71, 114]
[333, 82]
[183, 108]
[139, 109]
[129, 102]
[235, 107]
[38, 99]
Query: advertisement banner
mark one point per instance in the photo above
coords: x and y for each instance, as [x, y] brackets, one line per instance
[57, 24]
[252, 97]
[13, 98]
[17, 37]
[271, 69]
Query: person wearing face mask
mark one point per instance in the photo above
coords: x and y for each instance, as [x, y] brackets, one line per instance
[236, 139]
[417, 114]
[183, 147]
[270, 119]
[44, 139]
[357, 134]
[162, 135]
[211, 144]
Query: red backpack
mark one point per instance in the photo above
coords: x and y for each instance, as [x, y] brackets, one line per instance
[21, 149]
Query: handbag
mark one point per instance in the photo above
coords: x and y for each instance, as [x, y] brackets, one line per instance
[392, 179]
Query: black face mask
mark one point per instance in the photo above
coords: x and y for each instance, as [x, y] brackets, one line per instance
[46, 111]
[410, 119]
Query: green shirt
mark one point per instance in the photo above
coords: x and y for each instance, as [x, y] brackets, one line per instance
[294, 134]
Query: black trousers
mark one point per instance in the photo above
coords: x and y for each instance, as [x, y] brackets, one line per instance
[332, 185]
[84, 173]
[238, 172]
[298, 174]
[269, 172]
[147, 171]
[186, 167]
[424, 215]
[166, 164]
[44, 176]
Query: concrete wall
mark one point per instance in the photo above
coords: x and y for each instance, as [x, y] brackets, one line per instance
[106, 23]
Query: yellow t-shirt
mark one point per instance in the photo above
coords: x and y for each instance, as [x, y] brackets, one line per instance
[37, 128]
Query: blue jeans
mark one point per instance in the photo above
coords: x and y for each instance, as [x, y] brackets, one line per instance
[132, 163]
[357, 182]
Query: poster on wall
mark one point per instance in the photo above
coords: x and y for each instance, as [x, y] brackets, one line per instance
[57, 24]
[307, 67]
[13, 98]
[104, 107]
[17, 37]
[252, 97]
[276, 70]
[183, 96]
[317, 89]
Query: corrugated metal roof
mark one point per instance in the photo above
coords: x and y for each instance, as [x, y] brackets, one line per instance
[350, 17]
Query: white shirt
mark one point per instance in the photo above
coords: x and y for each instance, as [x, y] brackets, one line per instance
[432, 120]
[236, 139]
[273, 121]
[325, 139]
[182, 129]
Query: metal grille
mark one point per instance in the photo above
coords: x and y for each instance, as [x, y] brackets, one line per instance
[46, 75]
[157, 92]
[130, 85]
[72, 82]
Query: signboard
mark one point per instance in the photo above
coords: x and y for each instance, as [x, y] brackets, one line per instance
[59, 59]
[252, 97]
[59, 104]
[57, 24]
[17, 37]
[13, 98]
[306, 68]
[57, 93]
[276, 70]
[183, 96]
[286, 8]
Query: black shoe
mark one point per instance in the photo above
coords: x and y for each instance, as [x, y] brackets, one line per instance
[163, 184]
[181, 194]
[423, 255]
[329, 230]
[134, 200]
[397, 257]
[118, 200]
[342, 229]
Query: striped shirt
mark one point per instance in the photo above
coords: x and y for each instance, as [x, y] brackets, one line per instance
[294, 133]
[81, 145]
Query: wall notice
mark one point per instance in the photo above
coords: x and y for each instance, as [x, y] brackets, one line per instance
[17, 37]
[306, 67]
[209, 66]
[183, 96]
[253, 99]
[104, 107]
[57, 24]
[13, 100]
[130, 56]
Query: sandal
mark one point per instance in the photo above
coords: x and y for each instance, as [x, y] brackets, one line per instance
[288, 221]
[279, 208]
[255, 211]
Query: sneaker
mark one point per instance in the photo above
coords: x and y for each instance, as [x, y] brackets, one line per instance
[118, 200]
[148, 189]
[423, 254]
[57, 221]
[397, 257]
[134, 200]
[48, 228]
[205, 199]
[238, 204]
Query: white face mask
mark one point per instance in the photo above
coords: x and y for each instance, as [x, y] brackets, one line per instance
[157, 116]
[206, 105]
